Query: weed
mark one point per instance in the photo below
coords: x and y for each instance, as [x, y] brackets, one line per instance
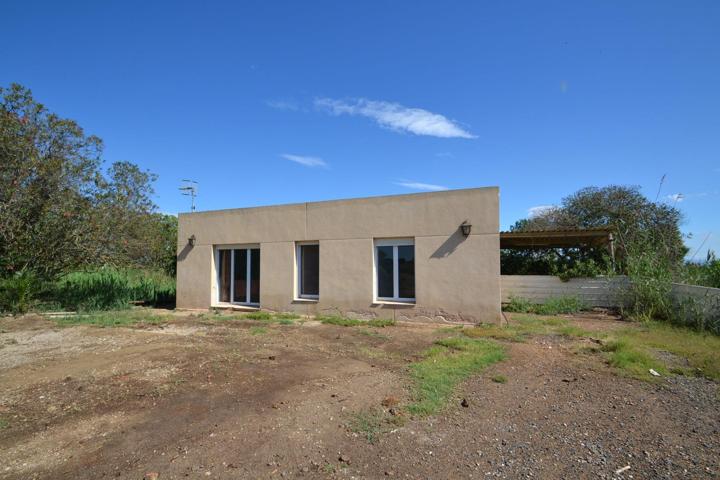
[258, 315]
[552, 306]
[258, 330]
[499, 378]
[351, 322]
[445, 365]
[368, 423]
[372, 333]
[287, 316]
[4, 424]
[286, 321]
[120, 318]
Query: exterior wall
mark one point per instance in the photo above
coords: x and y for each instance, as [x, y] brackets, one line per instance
[457, 278]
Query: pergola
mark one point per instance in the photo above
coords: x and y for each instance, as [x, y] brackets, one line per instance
[569, 238]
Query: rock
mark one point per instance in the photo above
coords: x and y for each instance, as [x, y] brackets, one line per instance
[654, 373]
[271, 357]
[151, 476]
[465, 403]
[344, 459]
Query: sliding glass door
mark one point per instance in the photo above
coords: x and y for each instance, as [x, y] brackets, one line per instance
[239, 275]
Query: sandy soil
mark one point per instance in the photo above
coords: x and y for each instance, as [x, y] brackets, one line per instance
[197, 399]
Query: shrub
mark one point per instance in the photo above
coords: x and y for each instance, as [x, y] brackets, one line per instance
[18, 293]
[110, 288]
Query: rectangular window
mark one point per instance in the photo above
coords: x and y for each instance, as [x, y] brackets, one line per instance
[395, 270]
[239, 275]
[308, 270]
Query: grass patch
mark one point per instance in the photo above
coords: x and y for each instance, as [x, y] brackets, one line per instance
[702, 350]
[286, 316]
[493, 331]
[286, 321]
[368, 423]
[119, 318]
[351, 322]
[372, 333]
[445, 365]
[258, 330]
[4, 424]
[258, 316]
[499, 378]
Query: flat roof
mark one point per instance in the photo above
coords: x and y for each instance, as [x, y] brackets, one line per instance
[376, 197]
[562, 238]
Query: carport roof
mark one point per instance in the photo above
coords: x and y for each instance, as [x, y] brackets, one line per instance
[563, 238]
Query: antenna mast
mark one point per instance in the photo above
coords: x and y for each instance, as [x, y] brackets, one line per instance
[190, 189]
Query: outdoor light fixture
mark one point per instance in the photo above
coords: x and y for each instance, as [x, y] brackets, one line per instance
[191, 240]
[465, 227]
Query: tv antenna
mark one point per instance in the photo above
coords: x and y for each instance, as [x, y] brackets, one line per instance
[190, 189]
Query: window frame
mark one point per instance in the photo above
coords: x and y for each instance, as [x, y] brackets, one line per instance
[248, 271]
[395, 243]
[298, 271]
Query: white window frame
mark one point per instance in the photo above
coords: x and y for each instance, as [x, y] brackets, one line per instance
[232, 249]
[298, 271]
[395, 243]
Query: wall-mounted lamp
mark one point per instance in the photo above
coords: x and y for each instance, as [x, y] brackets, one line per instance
[465, 227]
[191, 240]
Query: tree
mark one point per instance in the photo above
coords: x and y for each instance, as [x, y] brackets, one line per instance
[58, 211]
[634, 220]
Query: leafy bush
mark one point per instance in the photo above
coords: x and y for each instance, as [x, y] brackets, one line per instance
[110, 288]
[18, 293]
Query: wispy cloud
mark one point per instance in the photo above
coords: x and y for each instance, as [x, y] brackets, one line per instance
[676, 197]
[679, 197]
[396, 117]
[283, 105]
[539, 210]
[305, 160]
[444, 155]
[428, 187]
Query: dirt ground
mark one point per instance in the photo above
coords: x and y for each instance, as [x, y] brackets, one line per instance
[196, 398]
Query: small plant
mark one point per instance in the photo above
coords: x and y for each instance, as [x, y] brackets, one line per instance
[351, 322]
[4, 424]
[286, 321]
[258, 315]
[499, 378]
[258, 330]
[287, 316]
[368, 423]
[518, 305]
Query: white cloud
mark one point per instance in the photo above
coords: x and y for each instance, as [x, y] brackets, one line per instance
[396, 117]
[539, 210]
[429, 187]
[305, 160]
[676, 197]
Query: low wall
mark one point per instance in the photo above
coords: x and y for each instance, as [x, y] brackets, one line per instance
[596, 292]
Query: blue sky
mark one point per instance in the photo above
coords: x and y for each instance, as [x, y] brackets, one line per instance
[273, 102]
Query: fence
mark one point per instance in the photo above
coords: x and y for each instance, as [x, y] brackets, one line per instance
[595, 292]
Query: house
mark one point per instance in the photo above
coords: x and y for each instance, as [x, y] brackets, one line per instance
[425, 256]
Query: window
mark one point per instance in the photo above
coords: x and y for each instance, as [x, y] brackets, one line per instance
[307, 256]
[239, 275]
[395, 270]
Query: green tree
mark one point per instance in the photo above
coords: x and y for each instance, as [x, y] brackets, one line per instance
[59, 211]
[635, 221]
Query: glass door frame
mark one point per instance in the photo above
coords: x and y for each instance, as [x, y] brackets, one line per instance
[248, 288]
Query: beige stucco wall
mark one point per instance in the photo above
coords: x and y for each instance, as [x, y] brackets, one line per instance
[456, 278]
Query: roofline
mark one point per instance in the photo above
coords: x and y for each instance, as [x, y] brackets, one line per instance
[375, 197]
